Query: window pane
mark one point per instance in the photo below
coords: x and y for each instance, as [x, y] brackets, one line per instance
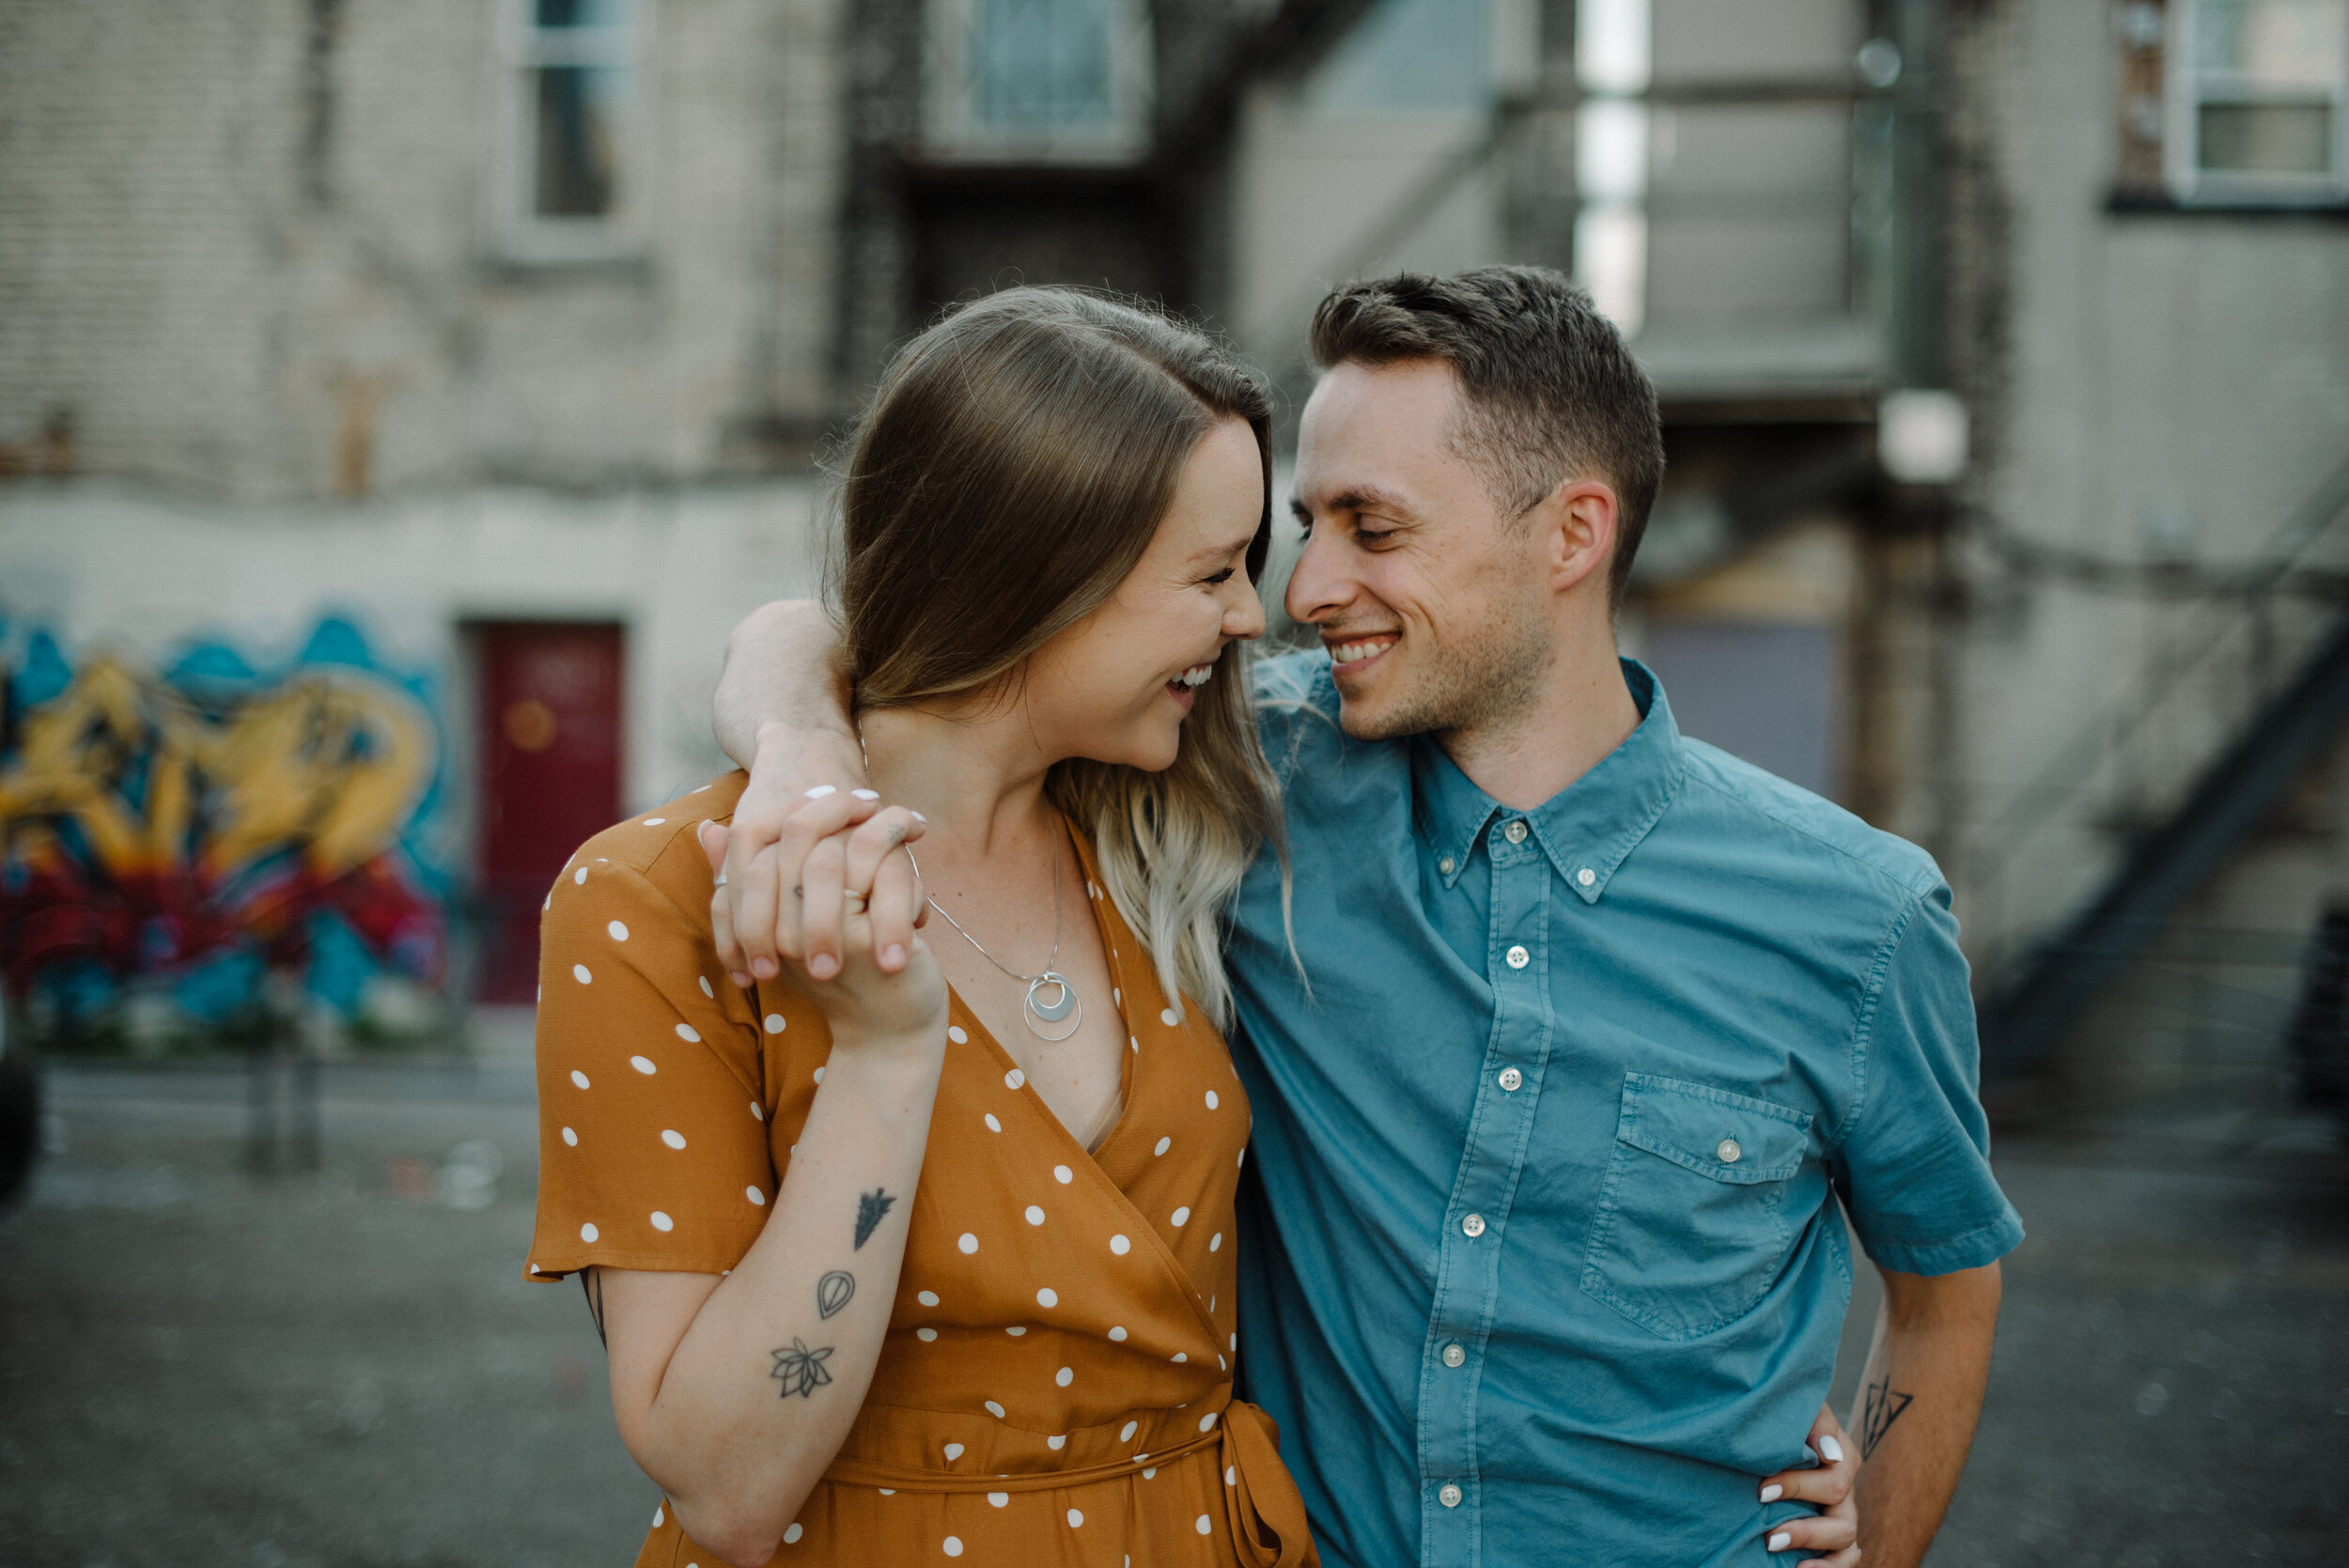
[1405, 56]
[1041, 65]
[2275, 42]
[583, 13]
[578, 135]
[2267, 138]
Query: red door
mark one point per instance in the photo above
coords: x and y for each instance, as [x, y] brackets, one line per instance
[550, 778]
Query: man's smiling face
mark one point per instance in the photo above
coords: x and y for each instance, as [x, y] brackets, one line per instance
[1434, 605]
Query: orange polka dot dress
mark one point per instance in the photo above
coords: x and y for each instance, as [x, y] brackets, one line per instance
[1055, 1386]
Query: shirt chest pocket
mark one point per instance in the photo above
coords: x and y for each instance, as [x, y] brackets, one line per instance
[1692, 1226]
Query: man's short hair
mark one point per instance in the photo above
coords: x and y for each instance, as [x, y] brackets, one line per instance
[1551, 392]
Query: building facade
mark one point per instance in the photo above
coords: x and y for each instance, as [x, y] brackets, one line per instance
[485, 350]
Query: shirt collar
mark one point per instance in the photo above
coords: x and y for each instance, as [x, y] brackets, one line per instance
[1587, 829]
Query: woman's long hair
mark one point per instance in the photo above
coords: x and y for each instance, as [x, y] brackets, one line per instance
[1010, 472]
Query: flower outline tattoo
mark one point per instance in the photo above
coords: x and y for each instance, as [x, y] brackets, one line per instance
[800, 1370]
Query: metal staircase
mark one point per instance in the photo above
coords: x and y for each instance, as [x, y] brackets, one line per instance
[2046, 990]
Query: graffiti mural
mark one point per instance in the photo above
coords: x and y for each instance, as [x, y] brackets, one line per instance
[191, 830]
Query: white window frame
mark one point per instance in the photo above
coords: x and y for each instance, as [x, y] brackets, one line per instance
[517, 231]
[2189, 88]
[950, 128]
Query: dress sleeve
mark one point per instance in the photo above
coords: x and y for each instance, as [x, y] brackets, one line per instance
[652, 1133]
[1914, 1169]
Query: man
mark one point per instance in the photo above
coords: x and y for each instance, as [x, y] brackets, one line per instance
[1543, 1263]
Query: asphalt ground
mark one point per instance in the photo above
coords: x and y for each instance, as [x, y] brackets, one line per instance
[209, 1367]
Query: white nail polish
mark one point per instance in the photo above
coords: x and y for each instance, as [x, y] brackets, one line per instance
[1773, 1492]
[866, 794]
[820, 791]
[1779, 1542]
[919, 817]
[1831, 1449]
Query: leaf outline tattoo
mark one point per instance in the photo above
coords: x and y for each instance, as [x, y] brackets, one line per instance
[834, 1292]
[870, 1206]
[800, 1370]
[1881, 1412]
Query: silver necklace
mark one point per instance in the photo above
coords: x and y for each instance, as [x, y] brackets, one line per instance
[1034, 1009]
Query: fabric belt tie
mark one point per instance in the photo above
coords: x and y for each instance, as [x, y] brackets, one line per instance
[1267, 1513]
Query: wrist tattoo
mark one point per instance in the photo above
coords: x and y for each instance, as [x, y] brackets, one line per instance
[832, 1291]
[1883, 1407]
[870, 1206]
[800, 1370]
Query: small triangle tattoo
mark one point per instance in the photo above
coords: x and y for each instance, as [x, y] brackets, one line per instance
[870, 1206]
[1884, 1407]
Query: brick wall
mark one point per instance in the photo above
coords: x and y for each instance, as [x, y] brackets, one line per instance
[243, 247]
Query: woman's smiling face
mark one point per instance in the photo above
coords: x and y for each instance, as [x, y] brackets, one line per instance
[1116, 686]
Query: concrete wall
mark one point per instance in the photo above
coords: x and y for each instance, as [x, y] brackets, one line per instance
[245, 246]
[2149, 388]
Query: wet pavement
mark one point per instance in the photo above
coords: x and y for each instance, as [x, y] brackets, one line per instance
[203, 1366]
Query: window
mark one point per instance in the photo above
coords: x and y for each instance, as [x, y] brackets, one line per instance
[1048, 81]
[569, 176]
[2256, 97]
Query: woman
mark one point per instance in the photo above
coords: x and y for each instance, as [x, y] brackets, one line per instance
[930, 1253]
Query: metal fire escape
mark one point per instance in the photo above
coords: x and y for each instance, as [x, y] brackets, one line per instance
[2046, 990]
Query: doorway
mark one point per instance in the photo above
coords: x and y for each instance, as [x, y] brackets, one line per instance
[550, 779]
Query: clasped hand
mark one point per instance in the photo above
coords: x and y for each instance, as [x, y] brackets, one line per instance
[814, 874]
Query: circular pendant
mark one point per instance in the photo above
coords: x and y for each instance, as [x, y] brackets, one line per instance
[1051, 1012]
[1038, 1011]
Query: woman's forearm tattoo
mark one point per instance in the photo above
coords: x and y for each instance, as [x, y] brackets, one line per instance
[833, 1290]
[800, 1370]
[870, 1206]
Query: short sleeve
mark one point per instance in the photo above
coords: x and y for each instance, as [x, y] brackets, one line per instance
[652, 1137]
[1915, 1167]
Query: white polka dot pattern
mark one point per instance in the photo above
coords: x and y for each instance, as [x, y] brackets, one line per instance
[689, 1038]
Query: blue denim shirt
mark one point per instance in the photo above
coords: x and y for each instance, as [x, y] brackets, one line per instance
[1541, 1256]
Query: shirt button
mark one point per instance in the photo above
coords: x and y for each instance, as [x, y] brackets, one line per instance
[1586, 876]
[1472, 1226]
[1454, 1355]
[1729, 1152]
[1517, 958]
[1512, 1080]
[1450, 1496]
[1444, 865]
[1514, 833]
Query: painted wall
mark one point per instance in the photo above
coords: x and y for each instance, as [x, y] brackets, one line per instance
[183, 830]
[229, 718]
